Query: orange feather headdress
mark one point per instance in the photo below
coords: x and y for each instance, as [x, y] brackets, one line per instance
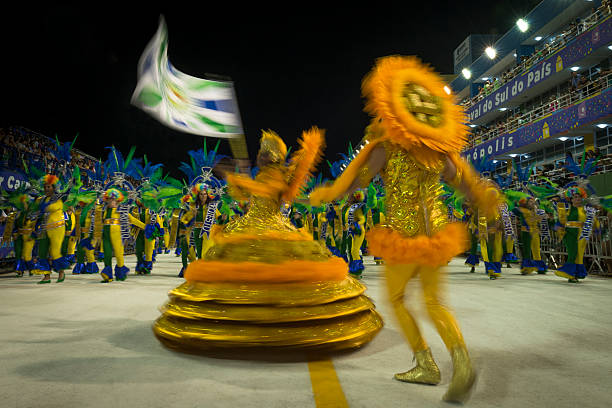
[416, 110]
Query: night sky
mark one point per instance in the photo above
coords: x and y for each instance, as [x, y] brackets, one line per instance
[69, 70]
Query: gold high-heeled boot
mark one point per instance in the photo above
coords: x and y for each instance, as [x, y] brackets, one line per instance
[425, 372]
[463, 379]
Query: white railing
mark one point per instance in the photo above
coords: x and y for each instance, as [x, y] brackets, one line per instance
[549, 48]
[567, 99]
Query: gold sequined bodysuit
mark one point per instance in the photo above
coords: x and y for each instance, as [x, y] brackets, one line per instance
[412, 191]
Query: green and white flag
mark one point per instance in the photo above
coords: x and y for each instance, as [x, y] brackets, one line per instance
[180, 101]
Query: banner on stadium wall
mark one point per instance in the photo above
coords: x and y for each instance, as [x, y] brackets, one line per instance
[561, 121]
[582, 46]
[11, 180]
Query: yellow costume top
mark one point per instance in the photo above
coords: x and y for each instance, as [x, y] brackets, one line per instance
[422, 132]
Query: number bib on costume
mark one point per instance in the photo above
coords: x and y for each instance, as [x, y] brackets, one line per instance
[209, 220]
[544, 231]
[587, 227]
[507, 221]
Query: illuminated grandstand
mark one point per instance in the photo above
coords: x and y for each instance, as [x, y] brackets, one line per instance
[541, 90]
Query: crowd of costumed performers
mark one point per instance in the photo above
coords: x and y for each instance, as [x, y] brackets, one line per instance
[57, 224]
[542, 211]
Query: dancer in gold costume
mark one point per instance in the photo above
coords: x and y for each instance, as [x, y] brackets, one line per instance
[414, 138]
[264, 283]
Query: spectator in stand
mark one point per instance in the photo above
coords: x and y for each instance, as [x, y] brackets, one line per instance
[574, 80]
[553, 104]
[582, 83]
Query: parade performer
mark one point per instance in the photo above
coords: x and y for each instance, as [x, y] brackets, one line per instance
[376, 195]
[576, 219]
[113, 228]
[185, 225]
[530, 219]
[418, 135]
[69, 243]
[471, 219]
[85, 257]
[489, 231]
[509, 235]
[50, 229]
[206, 190]
[355, 221]
[265, 283]
[19, 227]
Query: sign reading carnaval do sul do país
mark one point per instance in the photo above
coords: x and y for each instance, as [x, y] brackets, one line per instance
[588, 111]
[580, 47]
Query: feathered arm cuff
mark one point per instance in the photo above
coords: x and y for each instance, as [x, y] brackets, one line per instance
[304, 161]
[346, 179]
[482, 193]
[270, 183]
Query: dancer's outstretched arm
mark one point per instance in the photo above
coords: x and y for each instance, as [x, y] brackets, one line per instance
[362, 169]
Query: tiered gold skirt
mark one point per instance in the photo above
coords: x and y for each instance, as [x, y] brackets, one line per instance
[323, 316]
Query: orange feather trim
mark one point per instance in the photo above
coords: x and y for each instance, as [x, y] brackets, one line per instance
[298, 271]
[396, 248]
[305, 161]
[50, 179]
[383, 87]
[269, 186]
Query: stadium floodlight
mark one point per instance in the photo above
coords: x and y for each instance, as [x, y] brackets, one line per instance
[472, 126]
[522, 25]
[538, 38]
[503, 109]
[575, 68]
[485, 78]
[467, 74]
[610, 47]
[563, 138]
[602, 125]
[491, 53]
[447, 90]
[513, 155]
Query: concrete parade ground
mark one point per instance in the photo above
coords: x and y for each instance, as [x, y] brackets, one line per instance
[536, 341]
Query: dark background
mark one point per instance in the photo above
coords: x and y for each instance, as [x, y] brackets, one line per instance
[68, 70]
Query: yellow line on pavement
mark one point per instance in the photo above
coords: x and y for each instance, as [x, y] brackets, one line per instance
[326, 388]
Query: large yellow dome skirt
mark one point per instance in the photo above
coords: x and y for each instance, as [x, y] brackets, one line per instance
[329, 316]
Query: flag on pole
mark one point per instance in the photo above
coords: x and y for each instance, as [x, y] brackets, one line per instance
[180, 101]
